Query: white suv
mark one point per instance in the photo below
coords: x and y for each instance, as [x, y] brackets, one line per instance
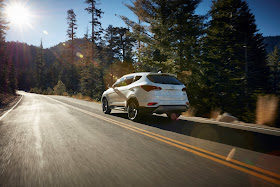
[147, 93]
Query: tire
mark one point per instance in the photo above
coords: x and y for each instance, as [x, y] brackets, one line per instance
[173, 115]
[133, 112]
[105, 106]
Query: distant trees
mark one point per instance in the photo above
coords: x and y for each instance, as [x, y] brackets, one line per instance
[273, 61]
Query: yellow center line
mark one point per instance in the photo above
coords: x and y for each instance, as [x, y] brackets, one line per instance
[175, 144]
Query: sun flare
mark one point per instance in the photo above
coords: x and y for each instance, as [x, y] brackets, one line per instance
[18, 15]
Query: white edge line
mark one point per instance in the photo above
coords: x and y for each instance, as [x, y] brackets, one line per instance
[223, 123]
[11, 109]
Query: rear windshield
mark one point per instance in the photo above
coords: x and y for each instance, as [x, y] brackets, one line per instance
[164, 79]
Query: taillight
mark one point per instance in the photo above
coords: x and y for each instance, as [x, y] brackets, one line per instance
[184, 89]
[150, 88]
[187, 103]
[151, 104]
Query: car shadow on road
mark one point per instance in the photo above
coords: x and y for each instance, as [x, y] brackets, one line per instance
[254, 141]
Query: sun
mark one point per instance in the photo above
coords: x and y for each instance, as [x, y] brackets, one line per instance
[18, 15]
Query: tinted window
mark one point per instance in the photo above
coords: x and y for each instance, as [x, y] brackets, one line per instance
[164, 79]
[129, 80]
[124, 81]
[119, 83]
[137, 78]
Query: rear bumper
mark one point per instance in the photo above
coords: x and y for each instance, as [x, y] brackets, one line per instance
[165, 109]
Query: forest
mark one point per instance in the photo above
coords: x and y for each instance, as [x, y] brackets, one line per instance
[221, 57]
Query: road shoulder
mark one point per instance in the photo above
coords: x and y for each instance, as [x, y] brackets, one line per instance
[8, 103]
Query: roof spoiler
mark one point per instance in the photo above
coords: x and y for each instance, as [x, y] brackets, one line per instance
[166, 74]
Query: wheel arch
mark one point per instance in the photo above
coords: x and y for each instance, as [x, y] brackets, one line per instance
[132, 99]
[104, 96]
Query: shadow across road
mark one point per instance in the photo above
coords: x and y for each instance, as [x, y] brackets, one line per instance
[254, 141]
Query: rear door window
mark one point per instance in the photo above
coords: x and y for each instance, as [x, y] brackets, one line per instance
[137, 78]
[124, 81]
[164, 79]
[128, 80]
[119, 83]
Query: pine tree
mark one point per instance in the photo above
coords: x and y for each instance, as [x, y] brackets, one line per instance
[120, 41]
[168, 35]
[40, 68]
[72, 80]
[234, 57]
[96, 32]
[273, 61]
[110, 38]
[95, 23]
[60, 88]
[71, 31]
[174, 31]
[140, 34]
[89, 74]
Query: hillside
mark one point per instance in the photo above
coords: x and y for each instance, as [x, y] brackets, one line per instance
[270, 42]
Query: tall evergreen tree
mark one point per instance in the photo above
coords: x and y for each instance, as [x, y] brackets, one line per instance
[90, 74]
[96, 31]
[109, 38]
[72, 81]
[40, 68]
[95, 23]
[234, 57]
[174, 31]
[120, 41]
[71, 31]
[140, 33]
[169, 39]
[273, 61]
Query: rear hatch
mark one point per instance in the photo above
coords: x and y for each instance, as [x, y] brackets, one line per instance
[171, 87]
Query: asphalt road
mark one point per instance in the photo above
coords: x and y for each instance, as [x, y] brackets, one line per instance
[61, 141]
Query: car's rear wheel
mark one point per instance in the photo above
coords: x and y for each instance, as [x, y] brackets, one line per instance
[173, 115]
[133, 112]
[105, 106]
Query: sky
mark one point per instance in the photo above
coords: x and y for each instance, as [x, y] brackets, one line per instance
[46, 19]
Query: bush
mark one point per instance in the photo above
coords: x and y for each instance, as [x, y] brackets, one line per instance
[33, 90]
[50, 91]
[60, 88]
[79, 96]
[45, 92]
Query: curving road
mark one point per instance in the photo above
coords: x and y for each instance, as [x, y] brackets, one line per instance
[61, 141]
